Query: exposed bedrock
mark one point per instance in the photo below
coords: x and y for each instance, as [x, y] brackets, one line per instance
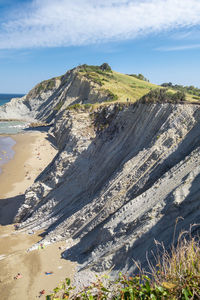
[120, 180]
[44, 101]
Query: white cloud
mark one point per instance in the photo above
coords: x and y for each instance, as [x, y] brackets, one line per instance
[54, 23]
[192, 34]
[179, 48]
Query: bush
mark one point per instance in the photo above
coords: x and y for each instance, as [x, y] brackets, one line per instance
[163, 96]
[111, 96]
[75, 106]
[139, 76]
[175, 276]
[186, 89]
[105, 67]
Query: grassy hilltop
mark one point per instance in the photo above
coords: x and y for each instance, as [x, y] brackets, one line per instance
[122, 88]
[120, 85]
[131, 87]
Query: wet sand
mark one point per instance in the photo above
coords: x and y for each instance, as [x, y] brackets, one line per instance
[33, 152]
[6, 150]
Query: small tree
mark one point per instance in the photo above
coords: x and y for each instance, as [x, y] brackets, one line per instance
[105, 67]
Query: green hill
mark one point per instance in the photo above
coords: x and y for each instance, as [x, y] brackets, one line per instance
[122, 87]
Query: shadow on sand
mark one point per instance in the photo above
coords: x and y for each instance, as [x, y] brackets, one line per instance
[9, 208]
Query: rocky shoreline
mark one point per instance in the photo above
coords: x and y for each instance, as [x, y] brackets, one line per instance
[123, 174]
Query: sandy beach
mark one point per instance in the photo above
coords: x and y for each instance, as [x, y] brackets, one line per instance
[33, 152]
[15, 259]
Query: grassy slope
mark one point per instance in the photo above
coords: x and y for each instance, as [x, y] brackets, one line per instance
[125, 86]
[121, 85]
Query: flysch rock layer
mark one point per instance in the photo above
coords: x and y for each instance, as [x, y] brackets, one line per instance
[122, 177]
[44, 101]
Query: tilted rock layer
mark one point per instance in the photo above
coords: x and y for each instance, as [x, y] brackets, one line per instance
[47, 98]
[120, 180]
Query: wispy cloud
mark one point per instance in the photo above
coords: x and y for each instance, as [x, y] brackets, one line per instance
[55, 23]
[179, 48]
[190, 34]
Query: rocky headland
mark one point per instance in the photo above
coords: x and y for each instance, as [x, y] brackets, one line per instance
[125, 169]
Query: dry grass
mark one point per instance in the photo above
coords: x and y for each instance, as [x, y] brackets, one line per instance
[175, 276]
[124, 86]
[178, 270]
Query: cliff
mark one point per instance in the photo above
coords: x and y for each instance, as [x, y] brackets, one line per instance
[81, 85]
[123, 175]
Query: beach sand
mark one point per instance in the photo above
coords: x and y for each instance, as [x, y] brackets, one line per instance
[33, 152]
[32, 266]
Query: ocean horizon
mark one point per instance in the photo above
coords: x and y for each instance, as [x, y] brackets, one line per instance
[5, 98]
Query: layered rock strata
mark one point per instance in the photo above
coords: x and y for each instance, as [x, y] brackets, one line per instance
[49, 97]
[122, 177]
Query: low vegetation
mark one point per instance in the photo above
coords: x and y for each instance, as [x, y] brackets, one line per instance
[81, 107]
[125, 88]
[58, 106]
[163, 96]
[139, 76]
[97, 74]
[118, 86]
[46, 85]
[194, 91]
[176, 275]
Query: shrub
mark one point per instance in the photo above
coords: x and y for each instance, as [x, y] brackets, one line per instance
[111, 96]
[139, 76]
[186, 89]
[75, 106]
[163, 96]
[175, 276]
[105, 67]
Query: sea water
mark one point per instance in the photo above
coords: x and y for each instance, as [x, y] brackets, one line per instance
[4, 98]
[11, 127]
[8, 127]
[6, 149]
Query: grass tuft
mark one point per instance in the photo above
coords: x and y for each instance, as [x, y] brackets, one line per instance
[176, 275]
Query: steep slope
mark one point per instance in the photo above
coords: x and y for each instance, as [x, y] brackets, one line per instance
[84, 84]
[125, 169]
[45, 100]
[81, 85]
[123, 174]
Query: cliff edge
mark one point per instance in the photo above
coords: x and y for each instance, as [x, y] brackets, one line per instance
[124, 173]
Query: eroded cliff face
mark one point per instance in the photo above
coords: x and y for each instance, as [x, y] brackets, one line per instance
[121, 178]
[49, 97]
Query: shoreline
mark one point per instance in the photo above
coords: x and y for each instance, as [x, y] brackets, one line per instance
[33, 152]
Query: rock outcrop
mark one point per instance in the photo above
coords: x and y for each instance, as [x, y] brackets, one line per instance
[122, 177]
[49, 97]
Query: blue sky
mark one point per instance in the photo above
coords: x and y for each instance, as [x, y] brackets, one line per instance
[40, 39]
